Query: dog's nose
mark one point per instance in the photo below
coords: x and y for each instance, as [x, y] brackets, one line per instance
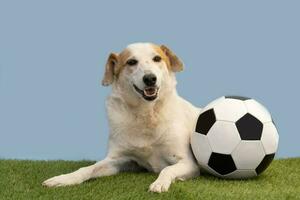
[149, 79]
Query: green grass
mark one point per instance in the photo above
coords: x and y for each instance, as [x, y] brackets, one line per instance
[22, 180]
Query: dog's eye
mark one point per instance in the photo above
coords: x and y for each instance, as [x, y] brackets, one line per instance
[131, 62]
[157, 59]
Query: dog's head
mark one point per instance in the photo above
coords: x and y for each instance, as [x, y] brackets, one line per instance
[142, 71]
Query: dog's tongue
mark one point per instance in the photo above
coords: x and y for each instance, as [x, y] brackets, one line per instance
[151, 91]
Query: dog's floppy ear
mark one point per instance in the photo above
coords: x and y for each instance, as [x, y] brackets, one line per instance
[110, 66]
[175, 63]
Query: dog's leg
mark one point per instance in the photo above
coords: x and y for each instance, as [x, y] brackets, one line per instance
[182, 170]
[106, 167]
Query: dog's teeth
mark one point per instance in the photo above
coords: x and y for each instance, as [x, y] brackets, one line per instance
[150, 92]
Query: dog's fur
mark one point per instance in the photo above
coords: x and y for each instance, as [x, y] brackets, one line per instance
[144, 133]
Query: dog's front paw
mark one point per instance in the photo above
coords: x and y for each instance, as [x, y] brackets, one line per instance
[62, 180]
[160, 186]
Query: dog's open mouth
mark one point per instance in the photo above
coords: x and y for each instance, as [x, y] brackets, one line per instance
[149, 93]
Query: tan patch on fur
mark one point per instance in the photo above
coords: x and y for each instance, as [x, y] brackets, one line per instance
[162, 55]
[109, 69]
[175, 63]
[122, 59]
[114, 65]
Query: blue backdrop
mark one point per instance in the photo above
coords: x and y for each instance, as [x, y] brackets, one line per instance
[52, 57]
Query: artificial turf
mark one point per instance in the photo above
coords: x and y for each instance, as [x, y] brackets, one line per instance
[22, 180]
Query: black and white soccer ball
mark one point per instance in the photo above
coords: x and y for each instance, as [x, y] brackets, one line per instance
[235, 137]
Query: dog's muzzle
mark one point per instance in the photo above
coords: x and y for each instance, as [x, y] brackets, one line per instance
[149, 93]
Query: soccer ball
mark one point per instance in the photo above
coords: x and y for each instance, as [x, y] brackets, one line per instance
[235, 137]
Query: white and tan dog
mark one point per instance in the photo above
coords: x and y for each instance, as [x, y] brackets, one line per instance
[150, 125]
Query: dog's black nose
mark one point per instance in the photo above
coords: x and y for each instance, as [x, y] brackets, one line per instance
[149, 79]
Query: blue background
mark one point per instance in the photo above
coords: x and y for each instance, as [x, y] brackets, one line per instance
[52, 57]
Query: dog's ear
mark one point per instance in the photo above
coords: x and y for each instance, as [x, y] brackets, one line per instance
[110, 66]
[176, 64]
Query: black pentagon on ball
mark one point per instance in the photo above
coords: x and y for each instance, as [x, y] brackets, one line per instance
[221, 163]
[237, 97]
[205, 121]
[249, 127]
[264, 163]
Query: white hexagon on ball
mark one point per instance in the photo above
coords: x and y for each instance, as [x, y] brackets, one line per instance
[223, 137]
[213, 103]
[241, 174]
[201, 148]
[230, 110]
[258, 110]
[248, 154]
[269, 138]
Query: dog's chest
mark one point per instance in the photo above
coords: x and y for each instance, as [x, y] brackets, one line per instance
[143, 134]
[154, 148]
[143, 127]
[147, 137]
[153, 157]
[149, 144]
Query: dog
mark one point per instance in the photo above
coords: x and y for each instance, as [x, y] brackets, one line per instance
[150, 124]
